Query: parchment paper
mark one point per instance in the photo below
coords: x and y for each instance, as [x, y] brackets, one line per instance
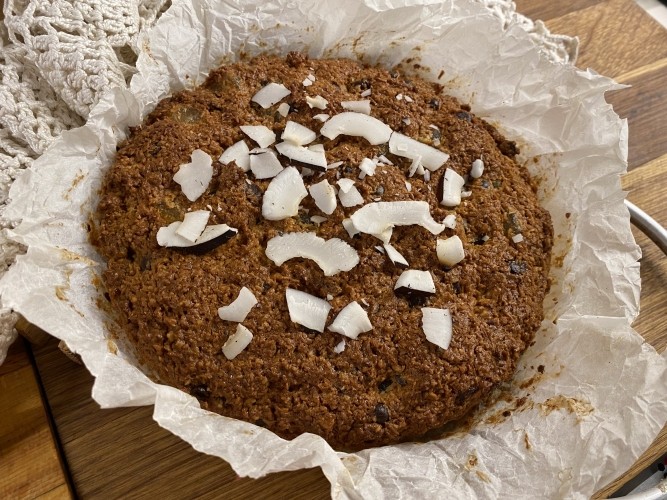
[564, 433]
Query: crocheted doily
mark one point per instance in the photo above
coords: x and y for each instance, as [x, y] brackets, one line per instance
[58, 57]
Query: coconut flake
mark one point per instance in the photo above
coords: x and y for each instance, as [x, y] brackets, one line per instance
[450, 251]
[427, 175]
[383, 159]
[318, 219]
[450, 221]
[307, 310]
[210, 238]
[283, 109]
[517, 238]
[317, 147]
[415, 165]
[351, 321]
[315, 159]
[395, 256]
[322, 117]
[349, 227]
[367, 167]
[297, 134]
[437, 326]
[239, 309]
[399, 97]
[363, 106]
[378, 217]
[333, 255]
[414, 282]
[237, 342]
[357, 125]
[193, 225]
[318, 102]
[270, 94]
[408, 98]
[340, 347]
[477, 169]
[349, 195]
[466, 194]
[195, 176]
[311, 77]
[260, 134]
[452, 184]
[282, 197]
[408, 186]
[307, 82]
[238, 153]
[265, 165]
[431, 158]
[324, 195]
[335, 164]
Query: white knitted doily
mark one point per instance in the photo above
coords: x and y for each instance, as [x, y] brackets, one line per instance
[58, 57]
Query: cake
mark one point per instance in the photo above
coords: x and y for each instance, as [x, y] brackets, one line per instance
[324, 246]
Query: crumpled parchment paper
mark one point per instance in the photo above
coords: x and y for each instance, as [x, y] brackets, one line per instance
[565, 432]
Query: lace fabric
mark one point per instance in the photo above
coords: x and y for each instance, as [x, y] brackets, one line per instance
[58, 57]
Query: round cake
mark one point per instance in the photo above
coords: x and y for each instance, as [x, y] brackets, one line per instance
[323, 246]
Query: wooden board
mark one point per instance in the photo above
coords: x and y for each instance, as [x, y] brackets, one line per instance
[122, 452]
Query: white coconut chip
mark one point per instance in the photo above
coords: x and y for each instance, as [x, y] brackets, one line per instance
[452, 184]
[348, 194]
[333, 255]
[307, 82]
[402, 145]
[477, 169]
[283, 109]
[335, 164]
[317, 159]
[383, 159]
[356, 125]
[363, 106]
[413, 280]
[437, 326]
[517, 238]
[317, 102]
[351, 321]
[265, 165]
[237, 342]
[399, 97]
[318, 219]
[193, 224]
[311, 77]
[408, 98]
[238, 153]
[270, 94]
[322, 117]
[349, 227]
[283, 195]
[239, 309]
[324, 195]
[340, 347]
[367, 167]
[450, 251]
[195, 176]
[450, 221]
[466, 194]
[378, 217]
[408, 186]
[427, 175]
[260, 134]
[317, 147]
[415, 165]
[307, 310]
[297, 134]
[167, 237]
[395, 256]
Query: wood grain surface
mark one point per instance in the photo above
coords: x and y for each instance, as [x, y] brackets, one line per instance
[122, 452]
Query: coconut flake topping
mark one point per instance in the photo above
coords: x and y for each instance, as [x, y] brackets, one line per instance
[431, 158]
[265, 165]
[351, 321]
[282, 197]
[260, 134]
[237, 342]
[357, 125]
[316, 159]
[413, 281]
[517, 238]
[307, 310]
[270, 94]
[395, 256]
[477, 169]
[367, 167]
[348, 194]
[378, 217]
[297, 134]
[283, 109]
[210, 238]
[324, 195]
[193, 225]
[240, 308]
[357, 106]
[332, 255]
[450, 221]
[339, 347]
[322, 117]
[452, 184]
[437, 326]
[450, 251]
[318, 102]
[238, 153]
[195, 176]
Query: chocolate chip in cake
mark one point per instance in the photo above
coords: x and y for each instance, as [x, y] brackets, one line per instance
[462, 115]
[200, 391]
[434, 103]
[385, 384]
[381, 413]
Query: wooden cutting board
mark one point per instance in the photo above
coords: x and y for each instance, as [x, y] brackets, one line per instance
[54, 439]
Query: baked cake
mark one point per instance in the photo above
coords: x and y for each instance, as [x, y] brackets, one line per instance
[323, 246]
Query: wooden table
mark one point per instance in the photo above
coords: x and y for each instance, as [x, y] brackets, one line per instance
[55, 442]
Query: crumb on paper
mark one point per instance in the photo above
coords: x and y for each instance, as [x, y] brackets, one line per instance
[572, 405]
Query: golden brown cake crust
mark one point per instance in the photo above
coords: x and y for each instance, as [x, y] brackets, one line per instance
[388, 385]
